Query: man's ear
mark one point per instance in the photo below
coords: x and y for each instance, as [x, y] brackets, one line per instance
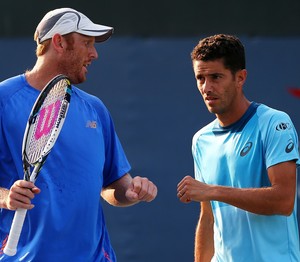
[241, 77]
[58, 42]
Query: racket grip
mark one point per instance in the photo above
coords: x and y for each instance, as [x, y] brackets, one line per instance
[15, 232]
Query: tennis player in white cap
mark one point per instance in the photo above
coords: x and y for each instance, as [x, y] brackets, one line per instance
[65, 221]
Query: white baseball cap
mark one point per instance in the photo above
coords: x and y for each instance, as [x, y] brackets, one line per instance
[67, 20]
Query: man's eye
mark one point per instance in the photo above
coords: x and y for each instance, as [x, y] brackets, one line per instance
[216, 77]
[200, 78]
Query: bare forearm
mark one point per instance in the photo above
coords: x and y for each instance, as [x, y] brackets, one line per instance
[3, 196]
[276, 199]
[127, 191]
[204, 249]
[115, 193]
[204, 241]
[116, 198]
[263, 201]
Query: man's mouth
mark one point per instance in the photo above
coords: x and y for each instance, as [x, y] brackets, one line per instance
[210, 98]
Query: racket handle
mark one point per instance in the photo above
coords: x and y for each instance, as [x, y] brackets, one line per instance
[15, 232]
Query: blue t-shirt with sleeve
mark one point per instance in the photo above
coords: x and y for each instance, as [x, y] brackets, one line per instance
[238, 156]
[67, 222]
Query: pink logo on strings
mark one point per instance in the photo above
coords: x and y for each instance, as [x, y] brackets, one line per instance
[47, 118]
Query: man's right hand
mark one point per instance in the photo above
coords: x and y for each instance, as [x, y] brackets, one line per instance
[20, 195]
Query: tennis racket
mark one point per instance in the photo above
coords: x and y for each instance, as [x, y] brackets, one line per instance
[43, 127]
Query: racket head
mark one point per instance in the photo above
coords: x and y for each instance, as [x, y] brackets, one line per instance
[45, 122]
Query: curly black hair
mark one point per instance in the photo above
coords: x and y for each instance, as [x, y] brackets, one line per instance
[221, 46]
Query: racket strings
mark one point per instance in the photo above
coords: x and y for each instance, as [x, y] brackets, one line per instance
[43, 128]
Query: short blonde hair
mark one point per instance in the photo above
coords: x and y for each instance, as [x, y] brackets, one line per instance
[41, 47]
[44, 46]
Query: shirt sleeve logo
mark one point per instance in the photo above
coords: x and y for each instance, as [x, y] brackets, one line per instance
[283, 126]
[246, 149]
[290, 146]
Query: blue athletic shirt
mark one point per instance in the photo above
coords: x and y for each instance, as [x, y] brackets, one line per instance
[67, 222]
[239, 156]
